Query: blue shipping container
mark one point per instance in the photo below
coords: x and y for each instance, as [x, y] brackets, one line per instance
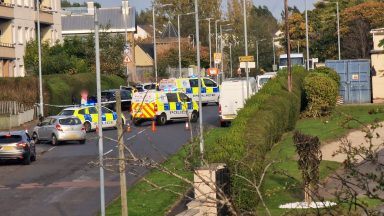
[355, 77]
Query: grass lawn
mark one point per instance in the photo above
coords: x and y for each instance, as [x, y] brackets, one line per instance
[283, 188]
[144, 200]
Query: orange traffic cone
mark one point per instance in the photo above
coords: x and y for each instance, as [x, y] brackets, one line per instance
[186, 125]
[153, 126]
[129, 127]
[97, 128]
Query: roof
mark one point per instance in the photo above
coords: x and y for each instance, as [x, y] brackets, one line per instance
[147, 48]
[169, 31]
[377, 31]
[147, 28]
[112, 18]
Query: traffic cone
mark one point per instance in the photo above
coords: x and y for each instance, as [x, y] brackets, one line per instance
[186, 125]
[129, 127]
[97, 128]
[153, 126]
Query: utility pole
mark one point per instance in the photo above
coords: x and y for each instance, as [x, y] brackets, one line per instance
[246, 45]
[125, 5]
[39, 50]
[178, 35]
[257, 55]
[154, 40]
[100, 128]
[288, 46]
[338, 28]
[123, 181]
[199, 79]
[273, 50]
[230, 58]
[210, 42]
[306, 33]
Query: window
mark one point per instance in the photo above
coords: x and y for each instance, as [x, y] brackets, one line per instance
[92, 110]
[184, 97]
[194, 83]
[46, 122]
[209, 83]
[70, 121]
[125, 95]
[105, 110]
[82, 112]
[20, 35]
[13, 35]
[7, 139]
[172, 97]
[26, 3]
[67, 112]
[27, 36]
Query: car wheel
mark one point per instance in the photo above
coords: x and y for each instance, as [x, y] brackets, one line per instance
[194, 116]
[87, 127]
[54, 140]
[224, 124]
[82, 141]
[35, 138]
[27, 159]
[161, 119]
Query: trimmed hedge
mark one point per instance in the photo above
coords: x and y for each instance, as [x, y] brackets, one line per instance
[258, 126]
[58, 88]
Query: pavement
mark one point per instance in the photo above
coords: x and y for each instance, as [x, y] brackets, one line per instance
[63, 180]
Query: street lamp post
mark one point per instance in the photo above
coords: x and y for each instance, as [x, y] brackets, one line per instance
[179, 38]
[41, 102]
[209, 41]
[230, 58]
[306, 33]
[246, 45]
[199, 79]
[154, 35]
[338, 29]
[273, 50]
[125, 5]
[221, 49]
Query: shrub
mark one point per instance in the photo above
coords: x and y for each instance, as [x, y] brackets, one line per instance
[259, 125]
[329, 72]
[321, 93]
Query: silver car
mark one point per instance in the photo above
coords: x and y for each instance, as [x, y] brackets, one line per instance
[17, 145]
[56, 129]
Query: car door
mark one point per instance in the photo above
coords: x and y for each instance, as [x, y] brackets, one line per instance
[175, 106]
[42, 130]
[107, 117]
[186, 104]
[51, 128]
[211, 90]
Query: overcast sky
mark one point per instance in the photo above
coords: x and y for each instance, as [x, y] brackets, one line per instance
[275, 6]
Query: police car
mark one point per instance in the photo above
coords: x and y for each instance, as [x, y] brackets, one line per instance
[209, 89]
[163, 106]
[89, 116]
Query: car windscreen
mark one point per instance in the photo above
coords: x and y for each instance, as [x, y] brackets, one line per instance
[70, 121]
[67, 112]
[7, 139]
[262, 81]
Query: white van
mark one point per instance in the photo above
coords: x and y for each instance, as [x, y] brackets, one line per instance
[262, 79]
[233, 94]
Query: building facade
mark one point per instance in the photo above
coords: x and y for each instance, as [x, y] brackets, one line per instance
[18, 25]
[377, 59]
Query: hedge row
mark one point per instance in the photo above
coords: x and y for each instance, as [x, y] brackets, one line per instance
[259, 125]
[58, 88]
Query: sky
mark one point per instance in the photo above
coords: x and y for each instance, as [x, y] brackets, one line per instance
[275, 6]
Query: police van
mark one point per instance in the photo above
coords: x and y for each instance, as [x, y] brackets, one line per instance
[162, 106]
[209, 89]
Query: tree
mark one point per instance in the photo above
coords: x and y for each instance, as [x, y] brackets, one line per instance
[356, 23]
[66, 3]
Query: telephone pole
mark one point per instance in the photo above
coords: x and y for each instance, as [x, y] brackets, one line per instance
[288, 46]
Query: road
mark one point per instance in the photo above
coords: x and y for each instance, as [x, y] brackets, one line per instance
[63, 182]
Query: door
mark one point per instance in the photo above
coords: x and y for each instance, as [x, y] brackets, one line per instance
[175, 106]
[186, 104]
[42, 131]
[107, 117]
[211, 90]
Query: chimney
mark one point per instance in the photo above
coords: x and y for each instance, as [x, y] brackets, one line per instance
[125, 7]
[91, 7]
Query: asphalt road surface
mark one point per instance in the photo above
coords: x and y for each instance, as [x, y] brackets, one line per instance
[64, 182]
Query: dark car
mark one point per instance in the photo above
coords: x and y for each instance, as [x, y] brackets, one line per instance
[17, 145]
[108, 97]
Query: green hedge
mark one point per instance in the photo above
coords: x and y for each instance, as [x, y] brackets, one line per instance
[62, 87]
[259, 125]
[58, 88]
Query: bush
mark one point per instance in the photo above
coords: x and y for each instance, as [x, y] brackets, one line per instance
[321, 93]
[329, 72]
[259, 125]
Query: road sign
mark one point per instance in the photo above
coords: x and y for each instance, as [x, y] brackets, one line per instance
[250, 64]
[127, 59]
[246, 59]
[212, 71]
[217, 58]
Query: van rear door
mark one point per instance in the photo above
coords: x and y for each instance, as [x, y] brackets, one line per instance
[232, 97]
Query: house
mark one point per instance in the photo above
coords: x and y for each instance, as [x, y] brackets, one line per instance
[377, 60]
[18, 25]
[144, 32]
[79, 21]
[144, 61]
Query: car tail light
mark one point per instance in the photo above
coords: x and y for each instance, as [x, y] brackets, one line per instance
[155, 108]
[219, 108]
[21, 145]
[58, 127]
[83, 128]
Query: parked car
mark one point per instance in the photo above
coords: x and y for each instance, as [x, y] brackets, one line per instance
[56, 129]
[109, 96]
[233, 94]
[145, 87]
[17, 145]
[262, 79]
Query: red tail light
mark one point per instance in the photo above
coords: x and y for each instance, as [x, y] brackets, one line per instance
[155, 108]
[58, 127]
[21, 145]
[82, 128]
[219, 108]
